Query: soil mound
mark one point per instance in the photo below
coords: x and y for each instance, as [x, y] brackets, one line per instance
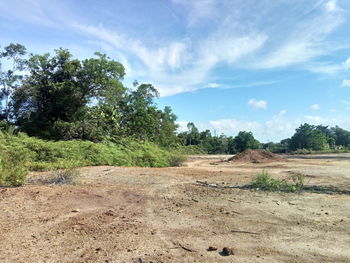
[256, 156]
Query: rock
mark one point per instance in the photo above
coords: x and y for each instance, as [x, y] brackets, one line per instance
[76, 210]
[227, 251]
[212, 248]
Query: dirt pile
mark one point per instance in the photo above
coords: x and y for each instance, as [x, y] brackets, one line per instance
[256, 156]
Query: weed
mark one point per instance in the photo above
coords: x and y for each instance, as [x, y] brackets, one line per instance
[12, 169]
[64, 176]
[263, 181]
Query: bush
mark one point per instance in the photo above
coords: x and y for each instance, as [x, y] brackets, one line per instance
[265, 182]
[20, 153]
[12, 169]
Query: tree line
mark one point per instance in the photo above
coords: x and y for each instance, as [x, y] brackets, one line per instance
[308, 137]
[58, 97]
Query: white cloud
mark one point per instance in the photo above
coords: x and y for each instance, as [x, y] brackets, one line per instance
[213, 85]
[345, 83]
[331, 6]
[346, 63]
[257, 104]
[174, 68]
[315, 106]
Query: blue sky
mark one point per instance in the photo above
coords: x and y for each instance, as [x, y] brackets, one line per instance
[227, 65]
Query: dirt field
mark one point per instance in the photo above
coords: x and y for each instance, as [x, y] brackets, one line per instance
[162, 215]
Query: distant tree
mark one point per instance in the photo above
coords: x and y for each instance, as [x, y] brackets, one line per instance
[245, 140]
[10, 78]
[308, 137]
[329, 133]
[341, 136]
[193, 134]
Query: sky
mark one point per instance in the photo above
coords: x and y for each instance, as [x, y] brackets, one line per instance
[226, 65]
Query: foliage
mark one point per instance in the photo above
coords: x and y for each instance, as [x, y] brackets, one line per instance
[42, 155]
[263, 181]
[10, 78]
[60, 88]
[218, 144]
[308, 137]
[245, 140]
[12, 165]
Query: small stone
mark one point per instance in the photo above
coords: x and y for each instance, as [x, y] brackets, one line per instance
[212, 248]
[227, 251]
[76, 210]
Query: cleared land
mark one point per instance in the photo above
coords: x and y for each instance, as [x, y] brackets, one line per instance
[121, 214]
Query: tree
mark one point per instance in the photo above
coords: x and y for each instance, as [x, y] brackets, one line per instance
[245, 140]
[59, 89]
[10, 78]
[308, 137]
[341, 136]
[193, 134]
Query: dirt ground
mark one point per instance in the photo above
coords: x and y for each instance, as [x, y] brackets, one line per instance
[119, 214]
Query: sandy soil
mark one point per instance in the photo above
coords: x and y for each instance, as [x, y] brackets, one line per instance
[148, 215]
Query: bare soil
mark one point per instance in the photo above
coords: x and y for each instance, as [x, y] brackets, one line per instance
[119, 214]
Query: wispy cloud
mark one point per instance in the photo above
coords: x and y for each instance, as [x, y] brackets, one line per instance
[306, 40]
[257, 104]
[241, 35]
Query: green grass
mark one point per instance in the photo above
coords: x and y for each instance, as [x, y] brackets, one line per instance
[264, 181]
[21, 153]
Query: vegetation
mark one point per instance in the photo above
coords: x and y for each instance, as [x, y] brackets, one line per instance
[60, 112]
[265, 182]
[64, 176]
[81, 112]
[205, 142]
[40, 155]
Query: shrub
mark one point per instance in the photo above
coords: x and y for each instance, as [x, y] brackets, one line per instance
[263, 181]
[12, 169]
[24, 152]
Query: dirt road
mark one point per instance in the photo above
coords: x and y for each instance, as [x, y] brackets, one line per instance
[148, 215]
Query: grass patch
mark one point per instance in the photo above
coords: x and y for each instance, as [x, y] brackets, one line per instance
[264, 181]
[20, 153]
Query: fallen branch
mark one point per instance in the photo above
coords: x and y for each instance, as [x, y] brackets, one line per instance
[179, 245]
[214, 185]
[236, 212]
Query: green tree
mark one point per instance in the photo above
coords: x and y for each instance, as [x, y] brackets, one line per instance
[308, 137]
[10, 78]
[245, 140]
[341, 136]
[60, 88]
[192, 134]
